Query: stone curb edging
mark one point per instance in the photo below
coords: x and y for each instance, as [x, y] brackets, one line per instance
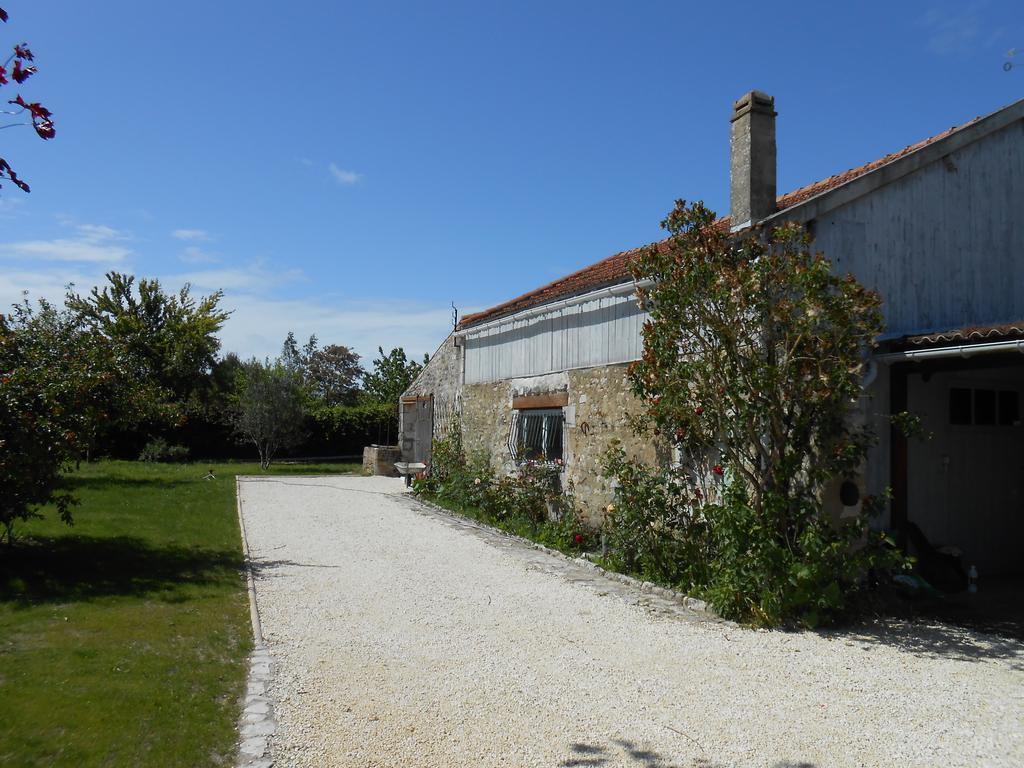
[645, 587]
[256, 724]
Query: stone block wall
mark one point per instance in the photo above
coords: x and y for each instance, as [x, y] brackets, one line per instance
[442, 378]
[599, 411]
[604, 406]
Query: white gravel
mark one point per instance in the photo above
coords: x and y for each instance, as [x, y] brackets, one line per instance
[401, 639]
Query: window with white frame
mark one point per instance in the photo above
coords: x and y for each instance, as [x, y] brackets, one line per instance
[537, 435]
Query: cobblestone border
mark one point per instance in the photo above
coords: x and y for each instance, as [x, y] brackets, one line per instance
[693, 605]
[256, 724]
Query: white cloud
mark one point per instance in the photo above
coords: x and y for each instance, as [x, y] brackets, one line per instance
[260, 321]
[93, 243]
[251, 278]
[50, 284]
[95, 233]
[198, 235]
[347, 178]
[195, 255]
[258, 325]
[953, 32]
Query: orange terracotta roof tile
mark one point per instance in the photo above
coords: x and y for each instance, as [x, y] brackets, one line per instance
[969, 333]
[615, 268]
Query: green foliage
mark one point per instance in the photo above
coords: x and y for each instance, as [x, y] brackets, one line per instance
[529, 503]
[158, 449]
[270, 410]
[752, 365]
[653, 529]
[392, 374]
[168, 340]
[56, 383]
[368, 418]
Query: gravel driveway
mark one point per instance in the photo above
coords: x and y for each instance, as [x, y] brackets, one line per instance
[401, 637]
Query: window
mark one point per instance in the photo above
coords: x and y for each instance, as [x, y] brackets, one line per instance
[959, 406]
[984, 407]
[536, 435]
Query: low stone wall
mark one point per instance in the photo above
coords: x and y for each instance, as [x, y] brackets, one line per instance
[599, 411]
[380, 460]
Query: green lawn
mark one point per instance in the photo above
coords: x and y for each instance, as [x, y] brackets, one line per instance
[123, 638]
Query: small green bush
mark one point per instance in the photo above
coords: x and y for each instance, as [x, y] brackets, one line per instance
[158, 449]
[663, 528]
[530, 503]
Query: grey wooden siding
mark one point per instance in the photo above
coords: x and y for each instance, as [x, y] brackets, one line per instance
[601, 331]
[945, 245]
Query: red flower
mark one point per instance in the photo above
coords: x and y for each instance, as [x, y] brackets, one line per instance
[578, 538]
[698, 410]
[717, 469]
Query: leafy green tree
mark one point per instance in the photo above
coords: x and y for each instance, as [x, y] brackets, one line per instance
[334, 374]
[752, 365]
[170, 339]
[270, 408]
[391, 376]
[56, 384]
[331, 374]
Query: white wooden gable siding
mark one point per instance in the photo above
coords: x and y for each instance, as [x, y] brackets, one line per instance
[601, 331]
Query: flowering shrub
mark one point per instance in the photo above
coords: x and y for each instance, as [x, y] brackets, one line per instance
[529, 503]
[752, 365]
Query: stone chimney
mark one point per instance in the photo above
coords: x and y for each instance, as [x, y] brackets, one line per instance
[752, 159]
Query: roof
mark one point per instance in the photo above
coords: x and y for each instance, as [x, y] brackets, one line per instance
[968, 334]
[616, 268]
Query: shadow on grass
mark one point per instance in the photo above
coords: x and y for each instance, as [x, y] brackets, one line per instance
[625, 752]
[107, 482]
[68, 568]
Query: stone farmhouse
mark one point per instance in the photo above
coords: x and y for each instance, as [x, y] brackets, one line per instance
[936, 228]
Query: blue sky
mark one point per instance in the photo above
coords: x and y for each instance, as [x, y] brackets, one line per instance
[350, 169]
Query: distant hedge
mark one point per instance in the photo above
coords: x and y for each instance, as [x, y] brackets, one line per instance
[347, 429]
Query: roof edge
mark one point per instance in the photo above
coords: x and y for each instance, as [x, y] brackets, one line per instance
[886, 173]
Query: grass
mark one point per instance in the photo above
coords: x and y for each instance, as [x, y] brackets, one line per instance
[123, 639]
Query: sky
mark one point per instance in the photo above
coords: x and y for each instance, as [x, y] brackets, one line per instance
[351, 170]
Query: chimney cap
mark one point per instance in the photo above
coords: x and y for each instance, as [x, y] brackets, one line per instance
[753, 101]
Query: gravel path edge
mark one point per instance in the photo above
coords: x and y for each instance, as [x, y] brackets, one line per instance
[256, 724]
[644, 587]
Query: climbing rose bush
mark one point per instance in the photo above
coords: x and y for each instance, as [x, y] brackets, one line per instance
[530, 502]
[753, 358]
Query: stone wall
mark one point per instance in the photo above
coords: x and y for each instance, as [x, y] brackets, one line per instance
[486, 420]
[442, 378]
[603, 407]
[599, 411]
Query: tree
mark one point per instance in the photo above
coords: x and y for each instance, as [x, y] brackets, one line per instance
[331, 374]
[170, 339]
[56, 382]
[40, 118]
[752, 365]
[392, 374]
[269, 411]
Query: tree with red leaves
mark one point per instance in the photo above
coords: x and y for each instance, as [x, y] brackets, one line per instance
[18, 68]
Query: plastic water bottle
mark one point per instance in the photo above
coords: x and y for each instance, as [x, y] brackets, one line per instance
[972, 580]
